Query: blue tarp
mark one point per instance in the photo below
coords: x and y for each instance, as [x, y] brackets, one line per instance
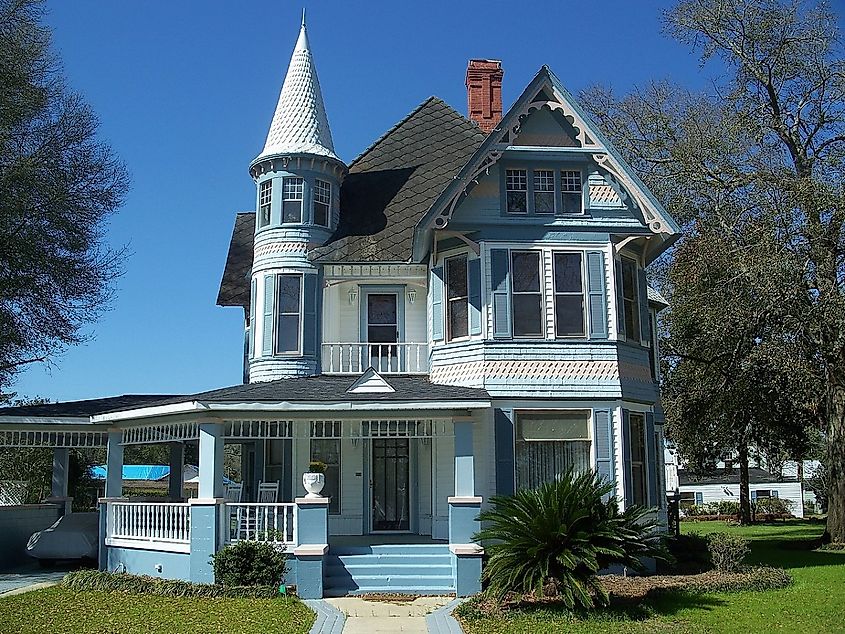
[148, 472]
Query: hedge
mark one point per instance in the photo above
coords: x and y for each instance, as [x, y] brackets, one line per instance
[97, 580]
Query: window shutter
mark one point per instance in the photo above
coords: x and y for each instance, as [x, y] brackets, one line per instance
[699, 498]
[651, 459]
[754, 496]
[597, 293]
[269, 303]
[500, 285]
[474, 291]
[504, 445]
[603, 438]
[252, 299]
[644, 323]
[620, 299]
[626, 457]
[437, 303]
[309, 315]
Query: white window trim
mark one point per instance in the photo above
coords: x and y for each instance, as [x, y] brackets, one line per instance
[542, 293]
[557, 172]
[633, 261]
[277, 314]
[314, 203]
[447, 310]
[268, 184]
[527, 191]
[301, 200]
[584, 294]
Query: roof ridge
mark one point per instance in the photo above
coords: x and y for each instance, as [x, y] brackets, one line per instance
[394, 127]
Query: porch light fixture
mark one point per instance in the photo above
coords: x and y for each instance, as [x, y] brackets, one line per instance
[353, 294]
[412, 295]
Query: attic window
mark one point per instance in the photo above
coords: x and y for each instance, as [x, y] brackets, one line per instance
[544, 192]
[265, 194]
[322, 202]
[517, 191]
[292, 199]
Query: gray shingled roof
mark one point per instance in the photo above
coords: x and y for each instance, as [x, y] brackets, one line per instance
[723, 476]
[327, 388]
[390, 186]
[234, 287]
[82, 409]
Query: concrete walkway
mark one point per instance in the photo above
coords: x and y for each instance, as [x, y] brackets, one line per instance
[380, 617]
[29, 578]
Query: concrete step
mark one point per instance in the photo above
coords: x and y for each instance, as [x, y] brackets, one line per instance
[410, 568]
[419, 590]
[388, 560]
[411, 584]
[391, 549]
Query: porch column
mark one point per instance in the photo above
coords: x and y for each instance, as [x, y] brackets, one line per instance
[114, 465]
[312, 526]
[59, 482]
[206, 508]
[464, 508]
[177, 466]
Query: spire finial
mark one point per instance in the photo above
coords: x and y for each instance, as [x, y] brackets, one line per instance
[303, 17]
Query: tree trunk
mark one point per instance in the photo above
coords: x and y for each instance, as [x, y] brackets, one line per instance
[835, 531]
[744, 489]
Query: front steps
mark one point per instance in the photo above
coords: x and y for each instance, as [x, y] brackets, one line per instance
[388, 568]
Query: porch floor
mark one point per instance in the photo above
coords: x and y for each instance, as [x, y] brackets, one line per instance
[388, 538]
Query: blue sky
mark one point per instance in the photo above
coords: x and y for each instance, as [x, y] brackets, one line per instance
[185, 92]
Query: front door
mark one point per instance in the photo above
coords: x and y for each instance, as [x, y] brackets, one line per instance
[391, 503]
[383, 331]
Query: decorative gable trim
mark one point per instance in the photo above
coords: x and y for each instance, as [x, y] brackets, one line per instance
[370, 382]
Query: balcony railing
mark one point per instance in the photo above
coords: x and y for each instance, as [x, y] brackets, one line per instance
[384, 358]
[261, 522]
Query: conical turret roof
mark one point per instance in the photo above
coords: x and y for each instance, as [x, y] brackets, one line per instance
[300, 124]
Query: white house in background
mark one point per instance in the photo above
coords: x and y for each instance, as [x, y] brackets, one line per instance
[460, 312]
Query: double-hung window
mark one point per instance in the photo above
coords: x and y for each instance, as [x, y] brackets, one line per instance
[322, 202]
[527, 294]
[571, 192]
[548, 444]
[327, 451]
[630, 299]
[516, 184]
[544, 192]
[288, 308]
[569, 294]
[265, 196]
[638, 459]
[457, 298]
[292, 190]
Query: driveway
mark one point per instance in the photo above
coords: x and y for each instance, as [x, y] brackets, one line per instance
[29, 575]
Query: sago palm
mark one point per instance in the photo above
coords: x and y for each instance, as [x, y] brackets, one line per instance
[559, 536]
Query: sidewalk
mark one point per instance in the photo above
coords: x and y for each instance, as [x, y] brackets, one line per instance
[380, 617]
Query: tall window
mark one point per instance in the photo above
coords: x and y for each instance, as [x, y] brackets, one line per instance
[527, 299]
[265, 195]
[457, 296]
[544, 192]
[517, 191]
[572, 198]
[630, 299]
[288, 294]
[548, 444]
[569, 295]
[638, 461]
[292, 188]
[327, 450]
[322, 202]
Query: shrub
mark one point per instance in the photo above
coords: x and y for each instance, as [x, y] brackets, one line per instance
[773, 506]
[690, 552]
[249, 563]
[727, 507]
[97, 580]
[758, 579]
[557, 537]
[727, 551]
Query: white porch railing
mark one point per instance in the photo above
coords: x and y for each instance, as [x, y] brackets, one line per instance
[263, 522]
[386, 358]
[162, 526]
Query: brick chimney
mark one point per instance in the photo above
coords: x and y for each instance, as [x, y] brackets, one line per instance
[484, 92]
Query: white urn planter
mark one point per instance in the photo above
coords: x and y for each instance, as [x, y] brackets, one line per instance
[313, 483]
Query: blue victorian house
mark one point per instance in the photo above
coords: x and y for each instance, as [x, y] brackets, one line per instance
[460, 312]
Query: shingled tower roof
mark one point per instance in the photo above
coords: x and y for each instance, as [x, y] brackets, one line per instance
[300, 125]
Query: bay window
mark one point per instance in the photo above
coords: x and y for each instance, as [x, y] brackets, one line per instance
[527, 294]
[457, 298]
[569, 294]
[288, 309]
[292, 194]
[548, 444]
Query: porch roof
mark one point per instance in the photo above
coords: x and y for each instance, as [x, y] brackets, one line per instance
[314, 393]
[73, 412]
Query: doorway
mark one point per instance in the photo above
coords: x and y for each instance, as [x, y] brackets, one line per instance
[391, 484]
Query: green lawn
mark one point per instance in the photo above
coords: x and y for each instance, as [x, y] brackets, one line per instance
[814, 603]
[57, 609]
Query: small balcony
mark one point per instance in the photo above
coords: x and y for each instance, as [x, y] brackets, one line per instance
[385, 358]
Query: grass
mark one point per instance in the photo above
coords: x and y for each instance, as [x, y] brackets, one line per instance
[813, 604]
[58, 609]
